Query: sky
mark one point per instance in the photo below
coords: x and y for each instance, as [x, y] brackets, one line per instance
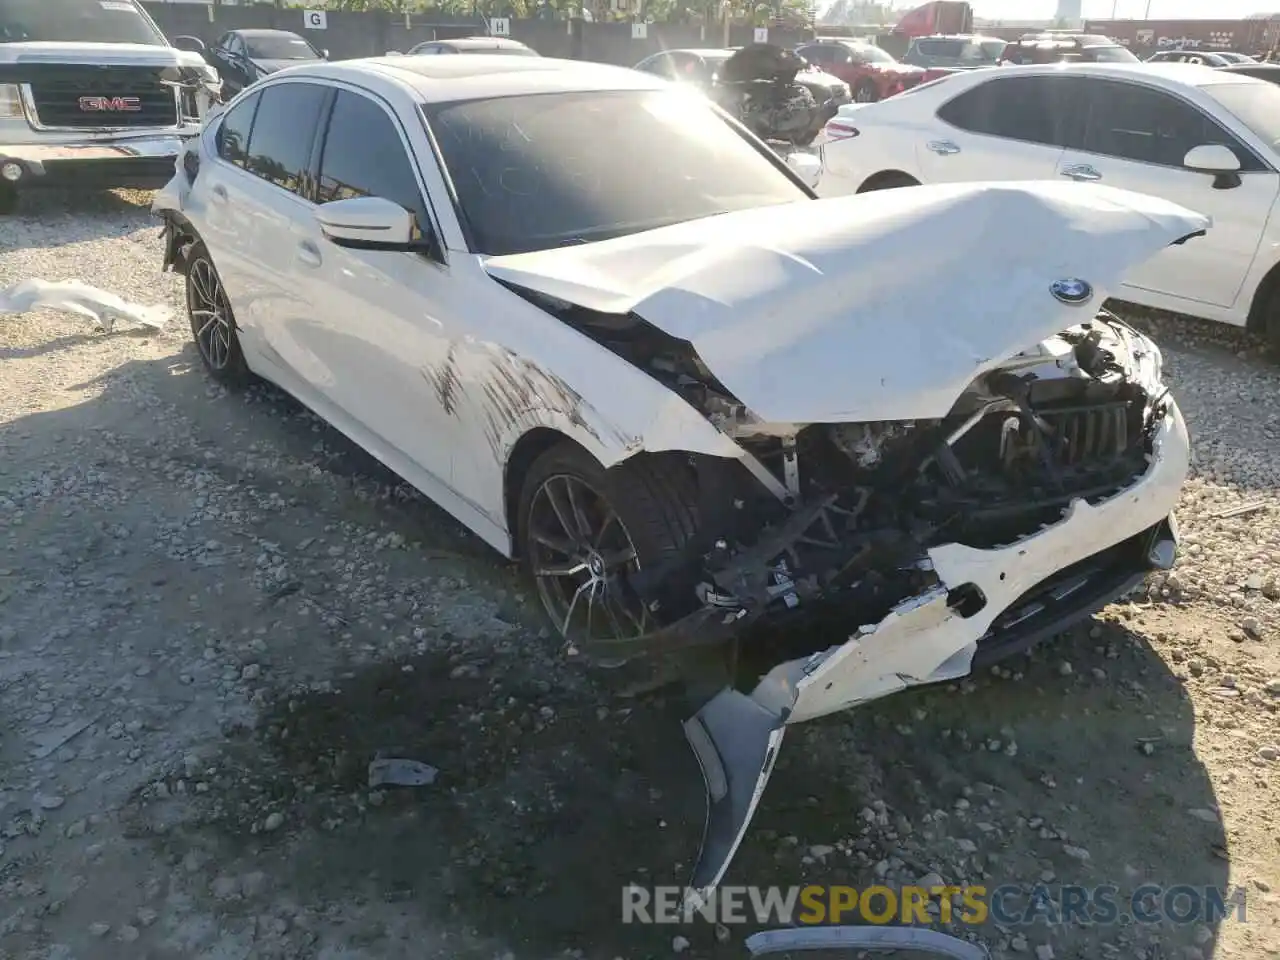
[1160, 9]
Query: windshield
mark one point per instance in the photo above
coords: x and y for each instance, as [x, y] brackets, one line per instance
[282, 47]
[1256, 105]
[88, 21]
[1110, 54]
[869, 54]
[539, 171]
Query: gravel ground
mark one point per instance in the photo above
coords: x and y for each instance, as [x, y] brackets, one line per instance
[214, 613]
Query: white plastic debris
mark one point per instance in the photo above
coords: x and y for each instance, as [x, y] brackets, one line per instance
[393, 771]
[80, 298]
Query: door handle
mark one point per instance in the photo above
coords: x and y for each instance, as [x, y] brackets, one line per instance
[943, 148]
[1081, 172]
[309, 253]
[219, 193]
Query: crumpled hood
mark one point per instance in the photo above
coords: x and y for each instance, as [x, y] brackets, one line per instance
[881, 306]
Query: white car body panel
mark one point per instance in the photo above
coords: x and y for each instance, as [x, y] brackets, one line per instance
[1215, 279]
[765, 295]
[876, 308]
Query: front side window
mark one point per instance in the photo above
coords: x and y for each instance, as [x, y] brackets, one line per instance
[281, 47]
[539, 171]
[363, 156]
[88, 21]
[817, 55]
[283, 132]
[1146, 125]
[1035, 109]
[660, 65]
[233, 131]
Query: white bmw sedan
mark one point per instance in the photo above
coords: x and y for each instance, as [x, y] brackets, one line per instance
[1208, 139]
[617, 337]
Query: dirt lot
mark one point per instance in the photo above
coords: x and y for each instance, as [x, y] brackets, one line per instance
[214, 613]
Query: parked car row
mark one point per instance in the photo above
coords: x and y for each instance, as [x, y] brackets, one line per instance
[1205, 138]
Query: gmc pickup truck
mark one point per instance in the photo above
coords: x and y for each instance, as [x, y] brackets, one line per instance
[93, 95]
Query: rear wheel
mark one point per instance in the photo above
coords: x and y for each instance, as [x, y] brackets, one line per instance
[585, 532]
[866, 92]
[213, 325]
[1270, 326]
[888, 181]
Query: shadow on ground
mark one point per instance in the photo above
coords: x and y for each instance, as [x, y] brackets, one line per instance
[552, 794]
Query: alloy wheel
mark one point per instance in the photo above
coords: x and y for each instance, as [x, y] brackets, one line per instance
[210, 314]
[581, 556]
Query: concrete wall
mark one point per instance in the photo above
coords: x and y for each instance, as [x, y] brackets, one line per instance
[351, 34]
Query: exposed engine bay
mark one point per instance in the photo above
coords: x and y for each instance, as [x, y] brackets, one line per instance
[846, 512]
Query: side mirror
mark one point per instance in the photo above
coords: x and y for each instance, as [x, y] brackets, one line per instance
[806, 166]
[325, 53]
[1212, 158]
[1215, 159]
[189, 44]
[368, 223]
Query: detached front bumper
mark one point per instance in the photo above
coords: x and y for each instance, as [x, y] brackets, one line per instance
[145, 162]
[1032, 588]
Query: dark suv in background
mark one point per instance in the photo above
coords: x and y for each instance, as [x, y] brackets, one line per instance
[1053, 47]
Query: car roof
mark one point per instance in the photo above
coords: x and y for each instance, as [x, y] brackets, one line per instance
[265, 33]
[489, 42]
[445, 79]
[701, 51]
[1254, 66]
[1169, 74]
[959, 36]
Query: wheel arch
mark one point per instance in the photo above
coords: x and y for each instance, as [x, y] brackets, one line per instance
[528, 448]
[1256, 320]
[882, 178]
[181, 235]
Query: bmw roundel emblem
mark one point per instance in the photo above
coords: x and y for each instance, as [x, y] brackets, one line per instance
[1071, 290]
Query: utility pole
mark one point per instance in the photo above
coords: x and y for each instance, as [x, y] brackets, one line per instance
[1147, 15]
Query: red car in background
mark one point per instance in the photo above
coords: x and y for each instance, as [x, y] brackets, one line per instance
[871, 73]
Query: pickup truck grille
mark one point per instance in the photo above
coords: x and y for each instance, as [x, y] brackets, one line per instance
[104, 97]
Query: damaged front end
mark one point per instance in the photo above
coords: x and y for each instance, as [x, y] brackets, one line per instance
[939, 544]
[915, 491]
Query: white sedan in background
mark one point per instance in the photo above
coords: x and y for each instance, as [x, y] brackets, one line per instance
[615, 336]
[1203, 138]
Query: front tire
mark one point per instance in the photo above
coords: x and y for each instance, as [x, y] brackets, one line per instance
[866, 92]
[213, 325]
[888, 181]
[584, 532]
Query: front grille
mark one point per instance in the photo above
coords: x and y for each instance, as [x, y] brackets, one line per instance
[104, 97]
[1098, 432]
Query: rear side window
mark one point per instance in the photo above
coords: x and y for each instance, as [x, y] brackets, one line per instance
[1035, 109]
[284, 130]
[364, 157]
[233, 132]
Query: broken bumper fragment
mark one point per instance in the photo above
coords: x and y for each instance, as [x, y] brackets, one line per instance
[1028, 589]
